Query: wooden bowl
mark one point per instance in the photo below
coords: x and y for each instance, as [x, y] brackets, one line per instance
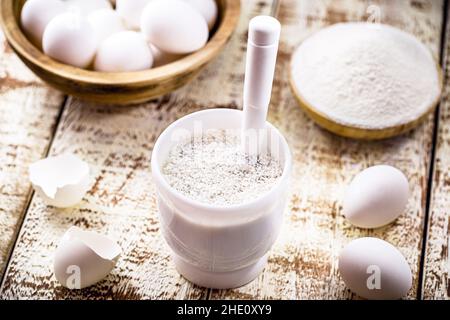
[324, 121]
[121, 87]
[354, 132]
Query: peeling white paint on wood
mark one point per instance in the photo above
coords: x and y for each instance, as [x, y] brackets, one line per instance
[436, 282]
[28, 113]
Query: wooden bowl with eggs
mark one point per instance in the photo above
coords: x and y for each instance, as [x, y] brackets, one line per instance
[117, 87]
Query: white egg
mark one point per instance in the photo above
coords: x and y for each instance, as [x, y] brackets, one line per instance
[35, 16]
[61, 181]
[123, 51]
[207, 8]
[174, 26]
[161, 58]
[70, 39]
[85, 7]
[374, 269]
[376, 197]
[105, 23]
[83, 258]
[131, 12]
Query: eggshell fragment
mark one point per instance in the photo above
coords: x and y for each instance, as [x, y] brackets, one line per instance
[123, 51]
[174, 26]
[83, 258]
[35, 16]
[105, 23]
[70, 39]
[161, 58]
[62, 181]
[131, 12]
[207, 8]
[85, 7]
[376, 197]
[375, 269]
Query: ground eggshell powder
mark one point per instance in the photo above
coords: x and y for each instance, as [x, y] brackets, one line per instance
[366, 75]
[212, 169]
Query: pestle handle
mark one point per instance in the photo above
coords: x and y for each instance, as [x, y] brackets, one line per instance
[262, 48]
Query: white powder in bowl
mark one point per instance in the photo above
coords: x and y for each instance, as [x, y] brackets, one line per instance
[366, 75]
[212, 169]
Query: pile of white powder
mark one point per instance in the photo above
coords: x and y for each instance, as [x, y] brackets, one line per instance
[212, 169]
[366, 75]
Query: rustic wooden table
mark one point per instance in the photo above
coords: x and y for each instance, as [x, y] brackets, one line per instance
[36, 121]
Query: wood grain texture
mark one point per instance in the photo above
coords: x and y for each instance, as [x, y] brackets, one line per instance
[123, 87]
[117, 142]
[303, 262]
[28, 113]
[436, 282]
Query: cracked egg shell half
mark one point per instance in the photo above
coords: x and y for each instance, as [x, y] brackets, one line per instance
[84, 258]
[62, 181]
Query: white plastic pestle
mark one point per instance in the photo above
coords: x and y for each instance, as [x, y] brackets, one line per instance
[262, 48]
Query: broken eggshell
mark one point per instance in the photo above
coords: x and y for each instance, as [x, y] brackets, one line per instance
[62, 181]
[83, 258]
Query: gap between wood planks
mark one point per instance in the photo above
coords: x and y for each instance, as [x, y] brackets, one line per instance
[443, 61]
[31, 192]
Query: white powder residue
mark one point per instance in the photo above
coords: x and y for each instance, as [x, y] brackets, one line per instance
[213, 169]
[366, 75]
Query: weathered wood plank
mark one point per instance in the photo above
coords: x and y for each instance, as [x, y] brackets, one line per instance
[303, 263]
[117, 142]
[28, 113]
[436, 282]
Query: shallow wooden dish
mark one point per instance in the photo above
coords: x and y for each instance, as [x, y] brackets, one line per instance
[356, 132]
[117, 88]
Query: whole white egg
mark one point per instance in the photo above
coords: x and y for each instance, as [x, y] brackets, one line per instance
[131, 12]
[70, 39]
[207, 8]
[87, 6]
[105, 23]
[35, 16]
[374, 269]
[376, 197]
[122, 52]
[174, 26]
